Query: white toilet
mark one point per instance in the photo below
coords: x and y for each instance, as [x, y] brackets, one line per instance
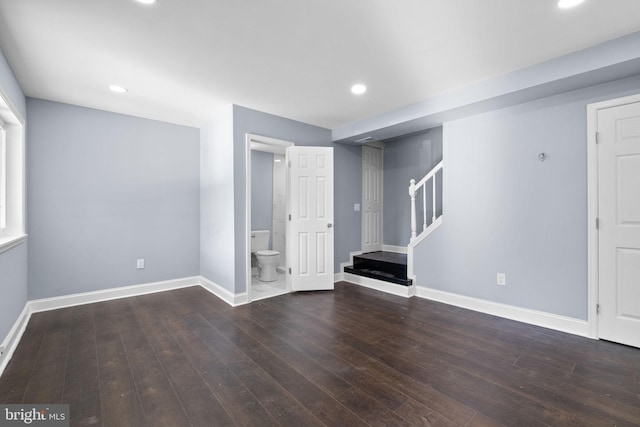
[267, 259]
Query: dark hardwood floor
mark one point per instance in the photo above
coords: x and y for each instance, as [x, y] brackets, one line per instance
[350, 357]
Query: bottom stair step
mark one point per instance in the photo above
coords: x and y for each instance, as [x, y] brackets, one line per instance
[376, 274]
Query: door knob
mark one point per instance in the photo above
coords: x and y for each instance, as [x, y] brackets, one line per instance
[329, 225]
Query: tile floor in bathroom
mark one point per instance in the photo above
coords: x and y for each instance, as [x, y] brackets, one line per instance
[261, 290]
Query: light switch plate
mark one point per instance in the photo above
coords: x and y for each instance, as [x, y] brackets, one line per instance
[140, 263]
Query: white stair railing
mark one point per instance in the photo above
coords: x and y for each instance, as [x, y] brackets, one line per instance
[415, 189]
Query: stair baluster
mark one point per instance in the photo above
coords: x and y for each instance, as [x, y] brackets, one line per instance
[412, 194]
[421, 186]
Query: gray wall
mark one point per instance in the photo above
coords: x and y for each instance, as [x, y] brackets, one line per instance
[348, 190]
[262, 191]
[347, 173]
[505, 211]
[217, 219]
[406, 158]
[13, 263]
[104, 190]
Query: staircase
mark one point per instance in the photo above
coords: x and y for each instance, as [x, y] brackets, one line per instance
[387, 266]
[397, 268]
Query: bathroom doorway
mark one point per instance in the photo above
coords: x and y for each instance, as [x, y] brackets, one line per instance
[267, 187]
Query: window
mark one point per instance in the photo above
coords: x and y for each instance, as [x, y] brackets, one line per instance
[3, 178]
[12, 183]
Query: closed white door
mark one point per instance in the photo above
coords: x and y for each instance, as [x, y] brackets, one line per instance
[372, 199]
[311, 221]
[619, 224]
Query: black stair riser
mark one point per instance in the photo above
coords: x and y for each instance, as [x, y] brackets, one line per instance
[379, 275]
[397, 270]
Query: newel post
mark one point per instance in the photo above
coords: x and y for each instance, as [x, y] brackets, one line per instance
[412, 194]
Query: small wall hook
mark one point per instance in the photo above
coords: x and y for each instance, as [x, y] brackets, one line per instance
[542, 157]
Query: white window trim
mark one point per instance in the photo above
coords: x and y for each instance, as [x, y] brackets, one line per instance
[13, 180]
[3, 177]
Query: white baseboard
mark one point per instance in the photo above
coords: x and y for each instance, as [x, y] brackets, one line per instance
[525, 315]
[11, 341]
[396, 249]
[55, 303]
[225, 295]
[338, 277]
[380, 285]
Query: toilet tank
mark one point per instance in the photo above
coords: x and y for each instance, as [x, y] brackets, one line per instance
[259, 240]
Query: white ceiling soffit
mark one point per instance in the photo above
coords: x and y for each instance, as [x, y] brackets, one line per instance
[182, 60]
[608, 61]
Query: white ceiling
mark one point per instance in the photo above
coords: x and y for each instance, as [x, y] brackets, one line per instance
[182, 60]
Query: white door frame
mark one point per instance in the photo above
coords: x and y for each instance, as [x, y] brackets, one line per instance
[271, 145]
[592, 205]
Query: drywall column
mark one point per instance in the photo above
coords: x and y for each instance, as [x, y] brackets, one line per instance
[217, 219]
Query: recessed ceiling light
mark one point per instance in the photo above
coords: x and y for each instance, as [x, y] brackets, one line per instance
[566, 4]
[147, 1]
[118, 89]
[358, 89]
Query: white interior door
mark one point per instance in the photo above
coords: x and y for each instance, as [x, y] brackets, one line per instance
[619, 224]
[311, 221]
[372, 199]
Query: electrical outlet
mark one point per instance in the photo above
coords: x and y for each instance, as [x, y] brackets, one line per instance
[501, 279]
[140, 263]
